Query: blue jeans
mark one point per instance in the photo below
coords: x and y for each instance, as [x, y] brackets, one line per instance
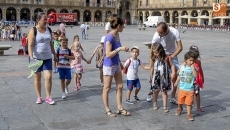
[83, 33]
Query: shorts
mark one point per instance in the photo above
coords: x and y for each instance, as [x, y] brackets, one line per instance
[111, 70]
[175, 62]
[47, 65]
[185, 97]
[133, 83]
[64, 73]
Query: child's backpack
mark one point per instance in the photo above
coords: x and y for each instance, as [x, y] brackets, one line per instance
[199, 78]
[125, 69]
[35, 33]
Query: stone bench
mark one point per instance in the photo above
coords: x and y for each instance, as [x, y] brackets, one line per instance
[3, 48]
[141, 28]
[69, 26]
[148, 44]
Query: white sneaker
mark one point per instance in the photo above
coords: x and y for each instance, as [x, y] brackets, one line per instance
[149, 98]
[173, 100]
[67, 90]
[63, 96]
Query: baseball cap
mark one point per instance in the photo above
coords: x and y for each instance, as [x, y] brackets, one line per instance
[134, 47]
[102, 39]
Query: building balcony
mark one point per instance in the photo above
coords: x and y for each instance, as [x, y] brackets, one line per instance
[177, 5]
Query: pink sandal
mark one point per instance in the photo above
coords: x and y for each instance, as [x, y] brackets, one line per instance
[76, 88]
[200, 110]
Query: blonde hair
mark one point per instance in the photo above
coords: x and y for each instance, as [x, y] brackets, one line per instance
[74, 45]
[63, 38]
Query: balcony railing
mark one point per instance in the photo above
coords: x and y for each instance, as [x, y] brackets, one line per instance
[60, 3]
[176, 5]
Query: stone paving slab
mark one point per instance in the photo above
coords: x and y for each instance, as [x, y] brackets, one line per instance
[84, 110]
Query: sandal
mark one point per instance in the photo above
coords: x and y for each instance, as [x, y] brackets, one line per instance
[155, 107]
[166, 110]
[179, 110]
[123, 112]
[200, 109]
[110, 113]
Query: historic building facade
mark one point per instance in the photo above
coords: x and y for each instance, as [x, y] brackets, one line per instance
[183, 11]
[87, 10]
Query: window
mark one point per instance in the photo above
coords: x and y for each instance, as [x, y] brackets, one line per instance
[147, 2]
[217, 1]
[184, 2]
[205, 1]
[194, 2]
[228, 2]
[24, 0]
[140, 3]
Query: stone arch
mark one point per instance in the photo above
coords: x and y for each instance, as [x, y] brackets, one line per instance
[87, 16]
[167, 16]
[156, 13]
[175, 15]
[147, 14]
[64, 11]
[194, 13]
[184, 12]
[127, 18]
[78, 14]
[204, 12]
[98, 16]
[11, 14]
[107, 15]
[25, 14]
[141, 17]
[0, 13]
[51, 10]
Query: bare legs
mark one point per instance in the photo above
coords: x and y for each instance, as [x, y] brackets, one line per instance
[48, 82]
[165, 100]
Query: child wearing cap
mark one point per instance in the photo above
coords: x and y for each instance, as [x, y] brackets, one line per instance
[99, 58]
[131, 69]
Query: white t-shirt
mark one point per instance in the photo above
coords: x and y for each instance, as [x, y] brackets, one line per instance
[107, 26]
[82, 26]
[132, 73]
[168, 41]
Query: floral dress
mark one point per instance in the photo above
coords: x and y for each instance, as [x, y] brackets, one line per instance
[76, 63]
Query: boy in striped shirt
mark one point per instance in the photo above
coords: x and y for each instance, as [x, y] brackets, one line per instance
[64, 56]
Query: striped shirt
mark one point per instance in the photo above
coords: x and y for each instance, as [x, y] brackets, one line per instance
[63, 62]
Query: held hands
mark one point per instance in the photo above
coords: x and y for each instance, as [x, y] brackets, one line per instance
[175, 84]
[173, 75]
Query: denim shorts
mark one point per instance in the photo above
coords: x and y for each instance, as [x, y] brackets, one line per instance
[175, 62]
[111, 70]
[133, 83]
[47, 65]
[64, 73]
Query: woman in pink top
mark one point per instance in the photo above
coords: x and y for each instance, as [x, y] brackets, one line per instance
[76, 65]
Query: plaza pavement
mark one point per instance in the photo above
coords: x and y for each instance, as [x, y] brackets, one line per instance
[84, 110]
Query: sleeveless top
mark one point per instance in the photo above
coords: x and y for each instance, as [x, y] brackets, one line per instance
[161, 77]
[186, 78]
[42, 49]
[78, 58]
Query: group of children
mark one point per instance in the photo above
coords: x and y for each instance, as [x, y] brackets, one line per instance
[190, 78]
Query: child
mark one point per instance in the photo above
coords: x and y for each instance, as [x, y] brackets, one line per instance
[76, 39]
[131, 67]
[186, 76]
[200, 77]
[161, 74]
[99, 58]
[56, 43]
[64, 54]
[24, 40]
[76, 65]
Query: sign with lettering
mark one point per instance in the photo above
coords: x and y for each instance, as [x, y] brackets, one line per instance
[219, 9]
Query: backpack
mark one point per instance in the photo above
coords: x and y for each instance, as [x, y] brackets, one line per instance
[59, 50]
[125, 69]
[35, 33]
[199, 78]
